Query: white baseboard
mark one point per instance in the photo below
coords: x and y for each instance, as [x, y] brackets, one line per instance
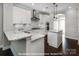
[74, 38]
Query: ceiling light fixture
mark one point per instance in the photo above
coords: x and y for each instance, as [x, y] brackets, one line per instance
[69, 7]
[33, 4]
[44, 9]
[55, 11]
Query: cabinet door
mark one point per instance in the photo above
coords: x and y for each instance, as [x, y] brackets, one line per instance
[18, 47]
[21, 15]
[37, 47]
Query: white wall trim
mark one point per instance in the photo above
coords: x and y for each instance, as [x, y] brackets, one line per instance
[71, 37]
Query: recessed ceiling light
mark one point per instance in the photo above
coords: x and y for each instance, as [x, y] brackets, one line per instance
[44, 9]
[33, 4]
[69, 7]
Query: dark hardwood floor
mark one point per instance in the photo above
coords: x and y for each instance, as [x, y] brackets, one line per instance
[49, 50]
[69, 47]
[6, 52]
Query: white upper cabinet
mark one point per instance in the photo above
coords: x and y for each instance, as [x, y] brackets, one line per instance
[21, 15]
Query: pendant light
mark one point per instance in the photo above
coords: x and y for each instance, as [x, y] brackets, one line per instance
[55, 11]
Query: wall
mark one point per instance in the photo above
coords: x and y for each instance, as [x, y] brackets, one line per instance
[43, 19]
[7, 21]
[1, 24]
[71, 23]
[51, 21]
[21, 15]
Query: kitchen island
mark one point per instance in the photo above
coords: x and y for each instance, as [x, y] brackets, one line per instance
[26, 43]
[54, 38]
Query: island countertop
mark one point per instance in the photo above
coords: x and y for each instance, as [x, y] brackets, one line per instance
[20, 35]
[16, 36]
[36, 36]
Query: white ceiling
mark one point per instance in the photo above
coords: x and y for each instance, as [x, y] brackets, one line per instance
[48, 7]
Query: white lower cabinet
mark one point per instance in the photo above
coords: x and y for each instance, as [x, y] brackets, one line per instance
[35, 47]
[18, 47]
[28, 47]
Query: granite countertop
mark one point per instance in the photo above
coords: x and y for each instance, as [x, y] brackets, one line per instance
[12, 36]
[16, 36]
[36, 36]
